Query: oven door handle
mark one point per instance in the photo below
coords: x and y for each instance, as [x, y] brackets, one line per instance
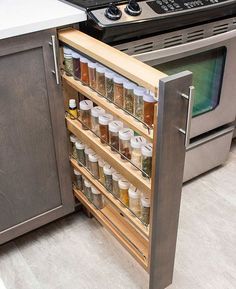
[186, 47]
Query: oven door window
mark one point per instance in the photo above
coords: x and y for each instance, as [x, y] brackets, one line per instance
[207, 68]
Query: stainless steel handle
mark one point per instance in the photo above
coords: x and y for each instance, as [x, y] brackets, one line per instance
[54, 49]
[190, 99]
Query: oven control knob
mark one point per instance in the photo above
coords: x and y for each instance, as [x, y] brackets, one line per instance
[113, 12]
[133, 8]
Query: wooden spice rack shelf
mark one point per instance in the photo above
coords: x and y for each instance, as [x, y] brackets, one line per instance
[122, 231]
[130, 121]
[131, 218]
[104, 151]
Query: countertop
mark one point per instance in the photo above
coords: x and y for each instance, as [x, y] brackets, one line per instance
[19, 17]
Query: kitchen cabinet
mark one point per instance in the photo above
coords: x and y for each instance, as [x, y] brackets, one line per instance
[35, 186]
[152, 245]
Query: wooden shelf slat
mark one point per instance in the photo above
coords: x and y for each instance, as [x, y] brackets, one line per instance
[120, 62]
[144, 230]
[125, 234]
[130, 121]
[123, 167]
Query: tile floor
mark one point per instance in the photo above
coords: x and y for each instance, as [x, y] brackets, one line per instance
[77, 253]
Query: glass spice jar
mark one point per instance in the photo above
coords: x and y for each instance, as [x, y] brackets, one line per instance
[80, 147]
[97, 198]
[92, 74]
[84, 75]
[125, 135]
[85, 113]
[73, 109]
[87, 152]
[76, 65]
[109, 85]
[145, 209]
[95, 113]
[114, 128]
[147, 159]
[138, 102]
[115, 187]
[136, 144]
[93, 165]
[87, 190]
[129, 96]
[73, 140]
[79, 180]
[124, 187]
[134, 200]
[100, 79]
[118, 91]
[103, 121]
[108, 170]
[68, 61]
[148, 108]
[101, 164]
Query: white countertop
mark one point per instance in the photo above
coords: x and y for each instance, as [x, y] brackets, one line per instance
[19, 17]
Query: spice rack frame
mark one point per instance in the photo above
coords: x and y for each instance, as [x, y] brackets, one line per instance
[169, 138]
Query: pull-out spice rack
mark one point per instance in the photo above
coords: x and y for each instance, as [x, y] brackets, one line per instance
[152, 245]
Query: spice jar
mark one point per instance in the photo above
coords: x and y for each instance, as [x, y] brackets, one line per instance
[79, 180]
[80, 147]
[85, 113]
[101, 164]
[147, 159]
[124, 187]
[68, 61]
[138, 101]
[134, 201]
[115, 187]
[148, 108]
[84, 70]
[125, 134]
[129, 96]
[97, 198]
[109, 85]
[108, 170]
[114, 128]
[76, 65]
[100, 79]
[87, 190]
[103, 121]
[92, 74]
[93, 165]
[136, 156]
[87, 152]
[118, 91]
[95, 112]
[145, 209]
[73, 109]
[73, 140]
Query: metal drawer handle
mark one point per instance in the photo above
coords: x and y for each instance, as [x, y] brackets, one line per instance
[190, 99]
[55, 72]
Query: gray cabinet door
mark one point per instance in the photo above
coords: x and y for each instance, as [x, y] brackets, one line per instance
[35, 184]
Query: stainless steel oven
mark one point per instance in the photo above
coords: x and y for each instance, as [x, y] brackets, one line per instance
[209, 52]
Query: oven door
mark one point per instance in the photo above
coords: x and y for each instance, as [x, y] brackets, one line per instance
[212, 61]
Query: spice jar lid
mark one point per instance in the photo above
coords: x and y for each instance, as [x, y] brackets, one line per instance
[72, 103]
[101, 162]
[97, 110]
[134, 193]
[93, 158]
[100, 69]
[126, 133]
[116, 176]
[88, 151]
[95, 191]
[108, 170]
[87, 183]
[83, 59]
[79, 145]
[77, 173]
[73, 138]
[104, 119]
[123, 184]
[139, 90]
[92, 64]
[86, 104]
[67, 50]
[118, 79]
[147, 97]
[147, 150]
[145, 201]
[109, 74]
[129, 85]
[137, 142]
[115, 126]
[75, 55]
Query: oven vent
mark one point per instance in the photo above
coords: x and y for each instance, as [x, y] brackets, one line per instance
[172, 41]
[146, 47]
[220, 28]
[195, 35]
